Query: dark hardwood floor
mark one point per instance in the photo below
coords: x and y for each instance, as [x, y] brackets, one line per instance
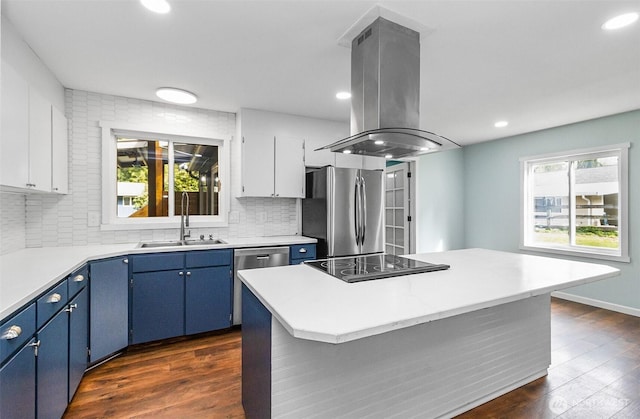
[595, 373]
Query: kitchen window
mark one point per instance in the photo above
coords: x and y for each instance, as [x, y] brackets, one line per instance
[576, 203]
[145, 175]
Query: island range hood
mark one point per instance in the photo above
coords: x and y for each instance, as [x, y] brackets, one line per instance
[385, 95]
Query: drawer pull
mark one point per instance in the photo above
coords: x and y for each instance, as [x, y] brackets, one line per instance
[35, 346]
[125, 260]
[54, 298]
[302, 250]
[11, 332]
[78, 278]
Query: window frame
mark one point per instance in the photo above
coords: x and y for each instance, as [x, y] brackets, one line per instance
[159, 131]
[526, 164]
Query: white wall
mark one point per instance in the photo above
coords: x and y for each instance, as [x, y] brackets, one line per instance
[440, 201]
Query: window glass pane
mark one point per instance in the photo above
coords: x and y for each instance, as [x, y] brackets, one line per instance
[399, 237]
[195, 174]
[389, 199]
[596, 190]
[550, 187]
[140, 176]
[399, 217]
[399, 198]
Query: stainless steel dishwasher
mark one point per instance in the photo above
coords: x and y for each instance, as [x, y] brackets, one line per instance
[260, 257]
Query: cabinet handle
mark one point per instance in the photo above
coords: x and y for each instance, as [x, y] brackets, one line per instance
[55, 189]
[71, 308]
[125, 260]
[31, 185]
[302, 250]
[11, 332]
[78, 278]
[188, 273]
[181, 273]
[35, 346]
[54, 298]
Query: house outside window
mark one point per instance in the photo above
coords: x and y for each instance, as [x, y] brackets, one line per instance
[576, 203]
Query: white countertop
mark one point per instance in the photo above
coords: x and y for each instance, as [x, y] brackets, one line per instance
[313, 305]
[26, 273]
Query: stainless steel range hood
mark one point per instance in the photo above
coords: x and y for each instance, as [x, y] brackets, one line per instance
[385, 95]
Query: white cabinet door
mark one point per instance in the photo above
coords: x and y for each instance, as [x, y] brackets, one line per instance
[257, 165]
[289, 168]
[59, 152]
[14, 143]
[39, 142]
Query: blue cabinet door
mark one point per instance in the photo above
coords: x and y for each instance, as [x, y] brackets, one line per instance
[208, 299]
[157, 305]
[109, 319]
[78, 342]
[18, 388]
[53, 367]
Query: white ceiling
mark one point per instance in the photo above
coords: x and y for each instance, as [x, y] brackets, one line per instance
[537, 64]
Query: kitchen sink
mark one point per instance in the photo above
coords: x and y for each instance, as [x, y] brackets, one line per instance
[203, 242]
[175, 243]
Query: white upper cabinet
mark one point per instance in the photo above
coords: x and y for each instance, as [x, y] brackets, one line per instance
[272, 167]
[14, 143]
[39, 142]
[289, 167]
[59, 152]
[27, 147]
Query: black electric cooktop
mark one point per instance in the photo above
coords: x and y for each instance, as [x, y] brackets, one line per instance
[368, 267]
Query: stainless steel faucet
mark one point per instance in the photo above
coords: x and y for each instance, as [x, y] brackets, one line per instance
[184, 224]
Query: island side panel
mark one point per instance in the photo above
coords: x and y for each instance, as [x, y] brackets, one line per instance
[435, 369]
[256, 356]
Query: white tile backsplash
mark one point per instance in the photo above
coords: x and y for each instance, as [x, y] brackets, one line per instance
[53, 220]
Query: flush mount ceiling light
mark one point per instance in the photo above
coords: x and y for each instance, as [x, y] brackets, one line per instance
[343, 95]
[620, 21]
[173, 95]
[157, 6]
[501, 124]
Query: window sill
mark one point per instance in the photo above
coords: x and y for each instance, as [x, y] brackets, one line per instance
[160, 225]
[576, 253]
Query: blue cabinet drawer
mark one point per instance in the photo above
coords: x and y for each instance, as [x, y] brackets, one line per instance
[51, 302]
[204, 258]
[78, 280]
[157, 262]
[17, 330]
[302, 251]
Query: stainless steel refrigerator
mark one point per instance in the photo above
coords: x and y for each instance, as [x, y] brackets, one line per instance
[344, 210]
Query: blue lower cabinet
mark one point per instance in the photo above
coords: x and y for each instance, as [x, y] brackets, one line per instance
[300, 252]
[207, 299]
[18, 388]
[109, 318]
[78, 339]
[157, 305]
[53, 367]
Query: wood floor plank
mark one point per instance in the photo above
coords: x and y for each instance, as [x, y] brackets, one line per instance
[595, 373]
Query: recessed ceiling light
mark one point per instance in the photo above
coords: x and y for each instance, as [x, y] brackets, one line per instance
[501, 124]
[620, 21]
[173, 95]
[388, 156]
[343, 95]
[346, 151]
[379, 142]
[424, 148]
[158, 6]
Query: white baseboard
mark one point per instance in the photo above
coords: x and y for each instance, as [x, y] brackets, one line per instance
[597, 303]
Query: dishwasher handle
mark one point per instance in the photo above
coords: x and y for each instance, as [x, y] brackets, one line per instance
[263, 257]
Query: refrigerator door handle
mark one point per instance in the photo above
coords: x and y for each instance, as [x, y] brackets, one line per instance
[356, 214]
[363, 203]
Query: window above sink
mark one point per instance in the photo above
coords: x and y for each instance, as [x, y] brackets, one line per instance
[145, 169]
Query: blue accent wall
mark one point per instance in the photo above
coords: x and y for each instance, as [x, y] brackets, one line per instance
[484, 179]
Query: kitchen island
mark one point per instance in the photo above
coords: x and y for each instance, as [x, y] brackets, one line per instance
[423, 345]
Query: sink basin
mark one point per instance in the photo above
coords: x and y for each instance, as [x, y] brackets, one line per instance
[203, 242]
[161, 244]
[175, 243]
